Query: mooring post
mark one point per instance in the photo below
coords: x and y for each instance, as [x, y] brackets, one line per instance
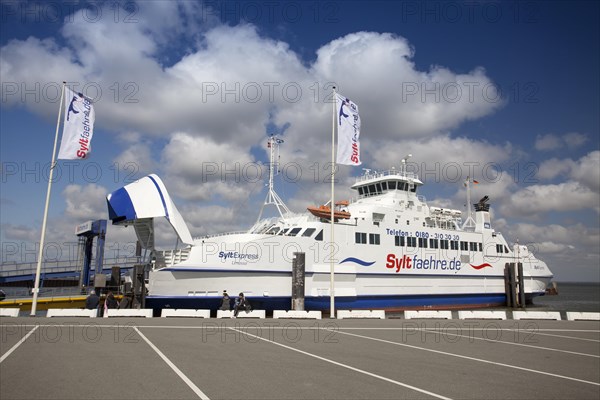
[510, 285]
[521, 285]
[507, 285]
[298, 269]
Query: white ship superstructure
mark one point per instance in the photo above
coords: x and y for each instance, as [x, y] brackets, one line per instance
[392, 250]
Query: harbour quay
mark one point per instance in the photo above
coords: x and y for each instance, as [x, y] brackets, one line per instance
[191, 358]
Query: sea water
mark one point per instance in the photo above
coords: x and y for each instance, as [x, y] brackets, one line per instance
[582, 297]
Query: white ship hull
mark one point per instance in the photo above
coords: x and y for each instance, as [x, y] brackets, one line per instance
[368, 276]
[394, 251]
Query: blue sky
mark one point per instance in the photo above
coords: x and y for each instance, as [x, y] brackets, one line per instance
[183, 87]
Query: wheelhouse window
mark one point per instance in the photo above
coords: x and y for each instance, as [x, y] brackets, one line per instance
[454, 244]
[392, 185]
[308, 232]
[411, 241]
[360, 237]
[472, 246]
[294, 231]
[423, 243]
[319, 236]
[499, 248]
[444, 244]
[273, 230]
[433, 243]
[464, 246]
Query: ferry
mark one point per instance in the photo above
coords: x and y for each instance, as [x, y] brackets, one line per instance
[391, 250]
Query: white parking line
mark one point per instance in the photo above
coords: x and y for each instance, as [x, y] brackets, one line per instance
[471, 337]
[187, 380]
[564, 336]
[470, 358]
[17, 344]
[345, 366]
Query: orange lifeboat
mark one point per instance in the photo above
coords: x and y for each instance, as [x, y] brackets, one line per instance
[324, 212]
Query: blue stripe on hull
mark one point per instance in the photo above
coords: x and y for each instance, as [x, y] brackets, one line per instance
[322, 303]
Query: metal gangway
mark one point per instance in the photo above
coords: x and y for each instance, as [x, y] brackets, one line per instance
[16, 272]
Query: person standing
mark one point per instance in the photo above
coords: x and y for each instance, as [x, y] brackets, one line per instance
[225, 302]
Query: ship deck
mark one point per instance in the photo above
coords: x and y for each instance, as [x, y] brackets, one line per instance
[132, 358]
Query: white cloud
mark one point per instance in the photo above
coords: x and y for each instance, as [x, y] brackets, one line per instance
[20, 232]
[575, 139]
[234, 81]
[85, 202]
[554, 167]
[586, 170]
[536, 200]
[547, 142]
[552, 141]
[198, 168]
[136, 160]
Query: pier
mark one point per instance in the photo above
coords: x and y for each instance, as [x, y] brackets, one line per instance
[190, 358]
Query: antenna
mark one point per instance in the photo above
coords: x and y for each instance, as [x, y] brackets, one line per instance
[404, 160]
[272, 197]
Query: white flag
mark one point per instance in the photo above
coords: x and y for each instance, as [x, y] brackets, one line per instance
[348, 122]
[78, 127]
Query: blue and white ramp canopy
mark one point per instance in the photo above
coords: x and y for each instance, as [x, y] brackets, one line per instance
[146, 198]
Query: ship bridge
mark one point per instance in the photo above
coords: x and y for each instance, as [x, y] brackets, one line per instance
[374, 183]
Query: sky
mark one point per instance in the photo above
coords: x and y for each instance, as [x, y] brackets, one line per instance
[507, 93]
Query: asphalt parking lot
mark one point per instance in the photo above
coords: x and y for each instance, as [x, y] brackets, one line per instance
[179, 358]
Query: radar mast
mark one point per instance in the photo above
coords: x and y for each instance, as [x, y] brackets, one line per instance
[272, 197]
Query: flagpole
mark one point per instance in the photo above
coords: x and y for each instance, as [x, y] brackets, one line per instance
[36, 287]
[331, 206]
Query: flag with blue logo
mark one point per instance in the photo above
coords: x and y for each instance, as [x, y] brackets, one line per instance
[78, 126]
[348, 125]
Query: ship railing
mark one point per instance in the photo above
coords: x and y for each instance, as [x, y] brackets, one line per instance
[14, 268]
[171, 257]
[220, 234]
[392, 172]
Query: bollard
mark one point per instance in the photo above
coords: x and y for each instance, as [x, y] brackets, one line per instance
[298, 269]
[521, 285]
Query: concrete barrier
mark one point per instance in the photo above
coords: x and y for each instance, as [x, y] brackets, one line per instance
[9, 312]
[536, 315]
[429, 314]
[242, 314]
[583, 316]
[71, 312]
[482, 314]
[185, 313]
[129, 312]
[341, 314]
[296, 314]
